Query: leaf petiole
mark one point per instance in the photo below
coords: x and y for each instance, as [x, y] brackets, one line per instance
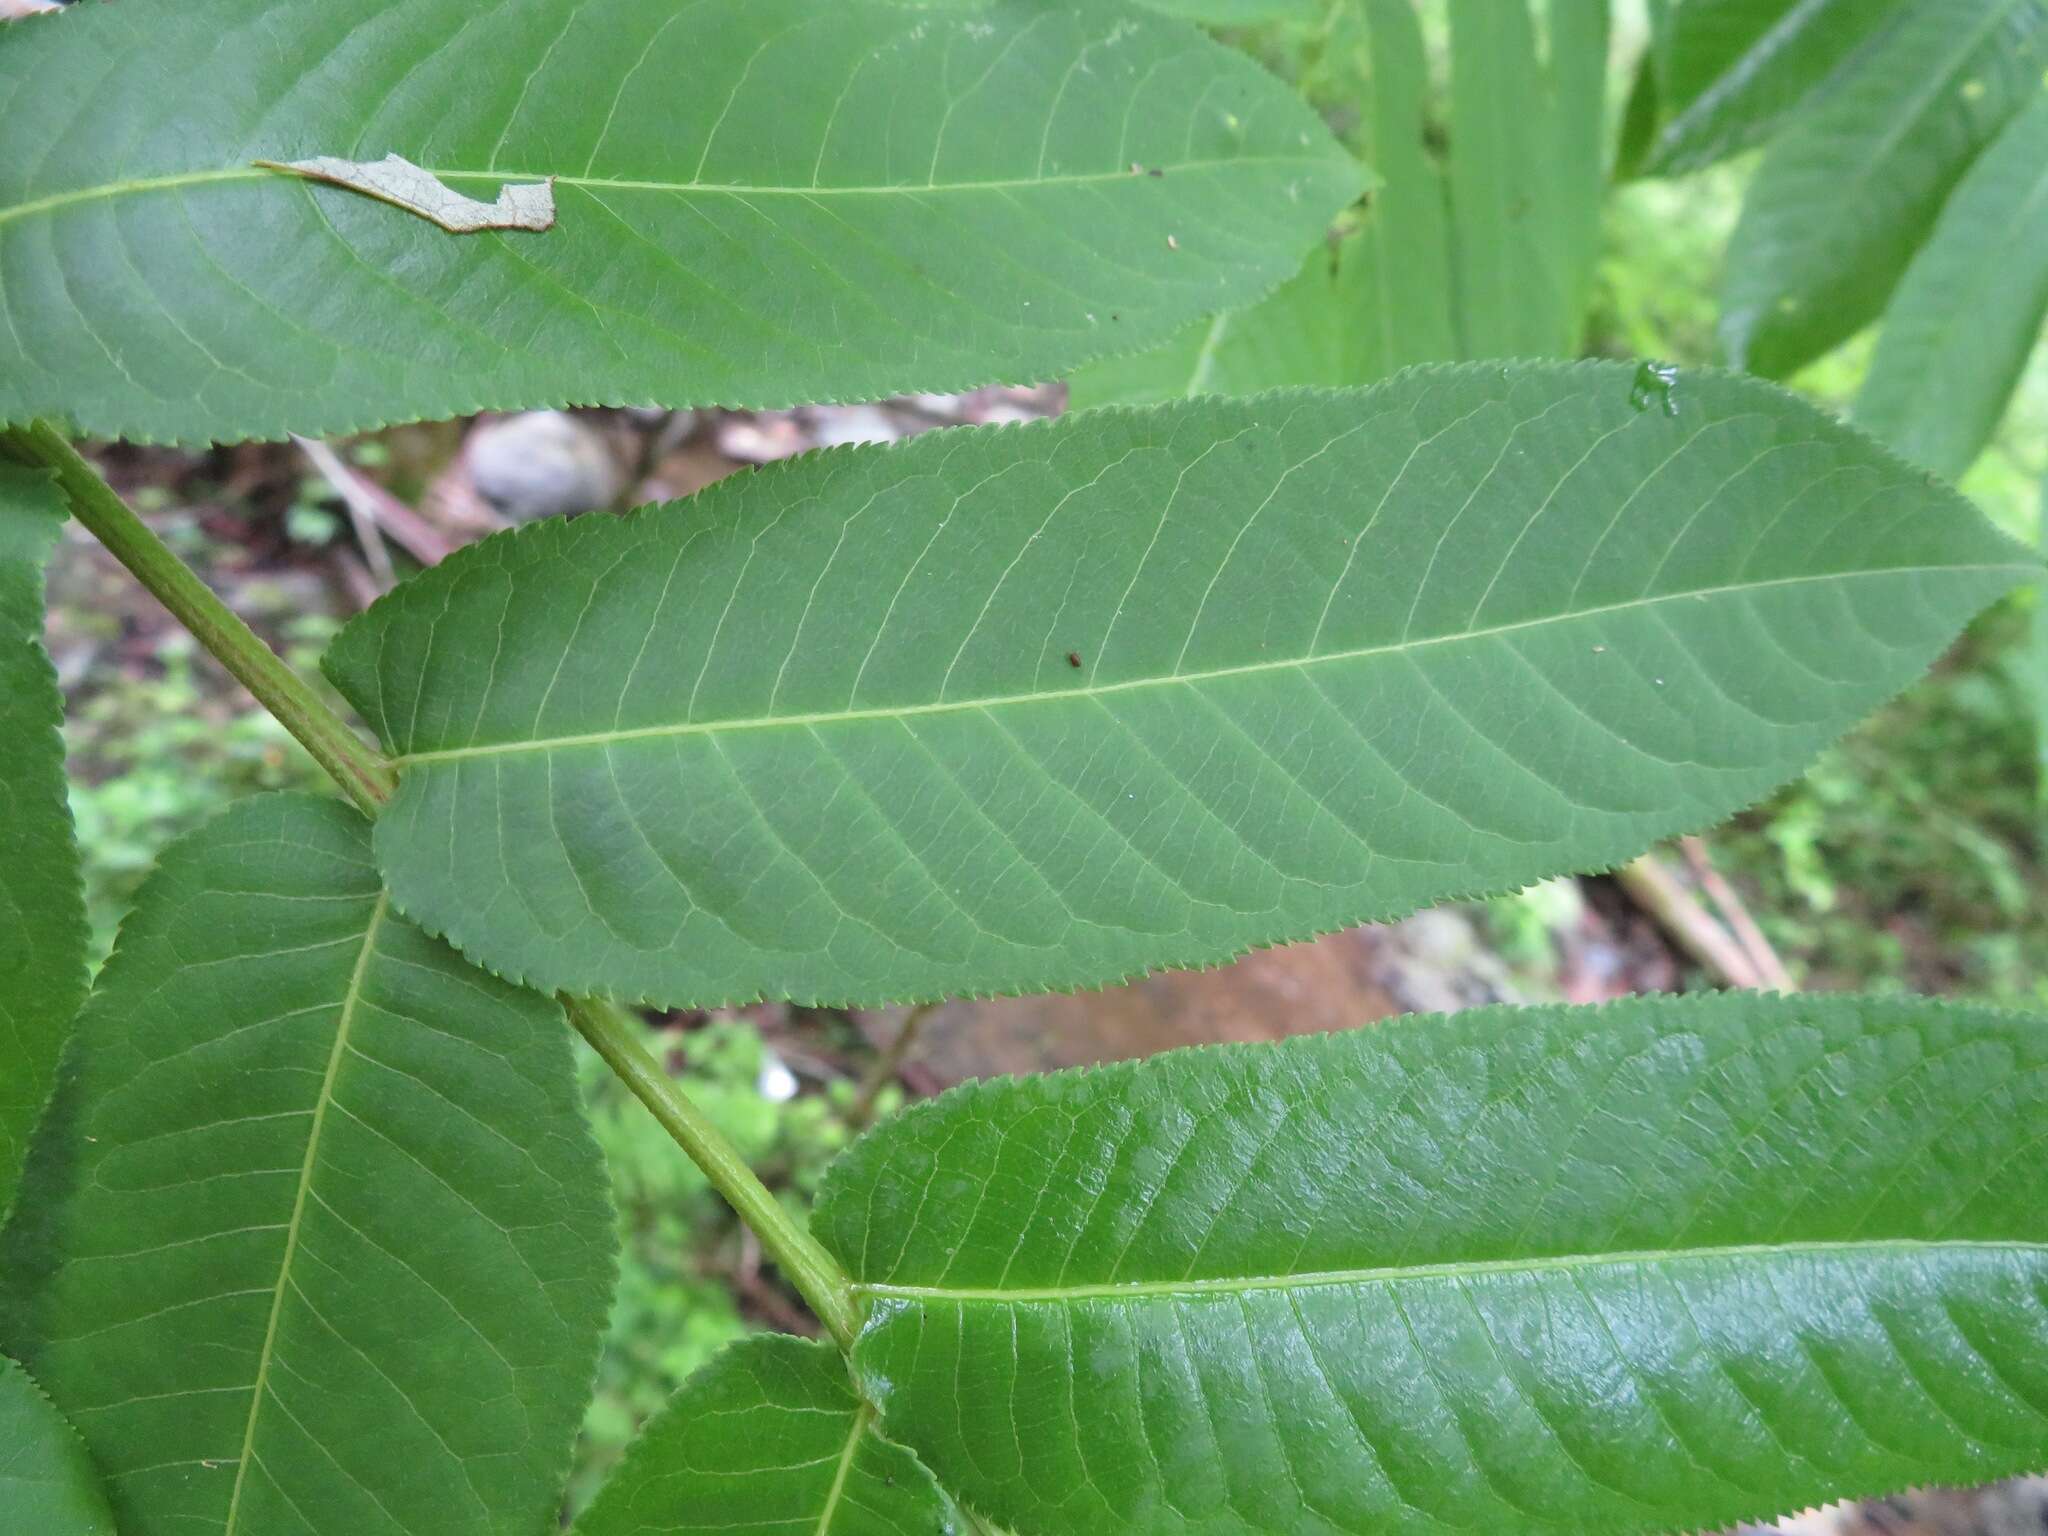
[368, 779]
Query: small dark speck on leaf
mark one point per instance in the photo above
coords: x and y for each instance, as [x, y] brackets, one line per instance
[1156, 171]
[1073, 658]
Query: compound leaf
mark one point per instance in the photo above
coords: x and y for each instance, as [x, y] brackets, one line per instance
[43, 936]
[1847, 194]
[47, 1482]
[316, 1240]
[769, 1438]
[1965, 318]
[758, 202]
[1045, 707]
[1664, 1265]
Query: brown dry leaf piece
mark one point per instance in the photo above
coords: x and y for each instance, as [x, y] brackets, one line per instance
[396, 180]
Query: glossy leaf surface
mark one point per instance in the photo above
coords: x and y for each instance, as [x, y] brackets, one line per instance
[759, 202]
[1969, 310]
[47, 1483]
[1663, 1265]
[318, 1241]
[1046, 707]
[1847, 194]
[769, 1438]
[42, 903]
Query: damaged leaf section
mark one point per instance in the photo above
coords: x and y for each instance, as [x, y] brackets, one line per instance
[396, 180]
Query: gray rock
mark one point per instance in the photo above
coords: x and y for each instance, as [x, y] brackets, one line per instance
[544, 464]
[835, 426]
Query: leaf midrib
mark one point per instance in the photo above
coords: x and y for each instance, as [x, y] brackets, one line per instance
[1139, 1290]
[291, 1241]
[1090, 691]
[861, 1417]
[240, 173]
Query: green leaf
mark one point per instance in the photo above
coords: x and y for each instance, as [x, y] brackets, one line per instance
[47, 1483]
[1371, 301]
[43, 936]
[1664, 1265]
[759, 202]
[1233, 13]
[1506, 171]
[1728, 74]
[318, 1240]
[1490, 259]
[769, 1438]
[1305, 333]
[1849, 192]
[1047, 707]
[1965, 318]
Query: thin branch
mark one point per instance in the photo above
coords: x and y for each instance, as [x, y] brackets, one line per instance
[1691, 926]
[888, 1065]
[371, 506]
[615, 1035]
[1736, 913]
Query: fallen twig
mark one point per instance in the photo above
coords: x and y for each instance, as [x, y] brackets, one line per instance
[1691, 926]
[372, 508]
[889, 1065]
[1736, 914]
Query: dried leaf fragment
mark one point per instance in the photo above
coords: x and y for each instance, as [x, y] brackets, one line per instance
[396, 180]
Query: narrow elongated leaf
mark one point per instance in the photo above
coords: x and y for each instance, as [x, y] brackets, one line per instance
[758, 202]
[42, 903]
[318, 1241]
[1407, 256]
[1575, 75]
[1045, 707]
[1849, 192]
[769, 1438]
[1513, 297]
[47, 1483]
[1664, 1265]
[1730, 73]
[1969, 309]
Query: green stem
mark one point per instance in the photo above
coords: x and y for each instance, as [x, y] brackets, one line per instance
[363, 774]
[816, 1275]
[369, 780]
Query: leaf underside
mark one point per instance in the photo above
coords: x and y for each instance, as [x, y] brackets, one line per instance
[317, 1240]
[43, 934]
[761, 202]
[1050, 706]
[1847, 194]
[1664, 1265]
[1966, 315]
[769, 1438]
[47, 1483]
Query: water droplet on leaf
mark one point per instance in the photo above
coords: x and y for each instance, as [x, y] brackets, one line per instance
[1655, 382]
